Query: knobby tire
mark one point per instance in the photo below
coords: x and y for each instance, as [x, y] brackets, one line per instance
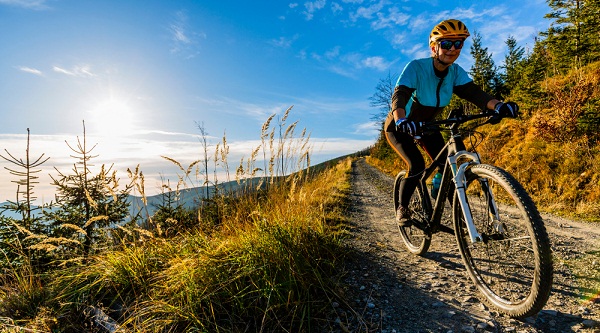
[512, 266]
[416, 240]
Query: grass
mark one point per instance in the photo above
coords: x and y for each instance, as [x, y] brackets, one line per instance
[263, 259]
[554, 153]
[274, 270]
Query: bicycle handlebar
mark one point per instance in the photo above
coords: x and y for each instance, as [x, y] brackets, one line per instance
[456, 118]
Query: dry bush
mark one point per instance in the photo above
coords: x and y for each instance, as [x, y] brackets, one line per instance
[569, 98]
[561, 177]
[554, 153]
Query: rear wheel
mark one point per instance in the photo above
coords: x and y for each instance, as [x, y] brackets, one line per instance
[416, 240]
[512, 264]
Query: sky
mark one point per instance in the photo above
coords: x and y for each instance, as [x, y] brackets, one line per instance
[143, 75]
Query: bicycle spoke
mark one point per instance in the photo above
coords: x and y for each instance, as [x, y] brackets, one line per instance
[506, 263]
[414, 237]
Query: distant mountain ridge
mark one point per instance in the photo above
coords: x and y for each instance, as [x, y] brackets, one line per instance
[189, 197]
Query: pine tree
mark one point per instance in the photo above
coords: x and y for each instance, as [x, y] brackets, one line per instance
[85, 201]
[572, 38]
[484, 71]
[590, 18]
[15, 234]
[512, 62]
[25, 185]
[531, 71]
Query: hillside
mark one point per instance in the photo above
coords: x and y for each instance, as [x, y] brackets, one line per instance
[187, 198]
[552, 149]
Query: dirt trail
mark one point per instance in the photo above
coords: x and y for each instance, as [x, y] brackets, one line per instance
[392, 290]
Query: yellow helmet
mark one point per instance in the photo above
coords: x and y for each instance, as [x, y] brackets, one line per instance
[448, 29]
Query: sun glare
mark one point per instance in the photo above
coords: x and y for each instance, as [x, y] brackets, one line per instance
[113, 118]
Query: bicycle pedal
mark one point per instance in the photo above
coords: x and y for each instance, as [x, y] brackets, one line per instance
[419, 225]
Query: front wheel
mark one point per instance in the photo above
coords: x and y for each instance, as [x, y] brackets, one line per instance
[512, 263]
[416, 240]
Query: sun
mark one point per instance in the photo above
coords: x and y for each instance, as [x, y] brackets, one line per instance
[113, 118]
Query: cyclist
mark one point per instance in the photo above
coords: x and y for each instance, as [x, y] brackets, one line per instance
[423, 89]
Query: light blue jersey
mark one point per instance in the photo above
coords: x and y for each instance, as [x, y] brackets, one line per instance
[430, 91]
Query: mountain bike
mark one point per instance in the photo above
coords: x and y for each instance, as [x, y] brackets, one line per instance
[500, 234]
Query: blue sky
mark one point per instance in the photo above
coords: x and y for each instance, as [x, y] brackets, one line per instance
[142, 74]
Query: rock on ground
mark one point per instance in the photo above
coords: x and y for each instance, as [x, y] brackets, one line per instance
[391, 290]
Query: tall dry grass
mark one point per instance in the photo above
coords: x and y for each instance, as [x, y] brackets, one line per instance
[555, 153]
[260, 257]
[274, 270]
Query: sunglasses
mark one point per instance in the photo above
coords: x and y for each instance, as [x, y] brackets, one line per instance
[447, 44]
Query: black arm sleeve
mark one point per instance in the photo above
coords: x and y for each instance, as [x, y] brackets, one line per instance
[400, 97]
[474, 94]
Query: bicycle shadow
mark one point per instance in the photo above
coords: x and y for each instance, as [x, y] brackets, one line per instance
[419, 305]
[446, 260]
[549, 319]
[383, 299]
[391, 289]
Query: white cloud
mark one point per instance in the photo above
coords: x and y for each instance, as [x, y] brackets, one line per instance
[333, 53]
[302, 54]
[394, 19]
[418, 50]
[30, 4]
[312, 7]
[342, 70]
[259, 112]
[367, 12]
[283, 42]
[179, 35]
[399, 40]
[336, 7]
[422, 22]
[76, 71]
[360, 61]
[378, 63]
[370, 128]
[348, 64]
[183, 38]
[325, 149]
[30, 70]
[474, 14]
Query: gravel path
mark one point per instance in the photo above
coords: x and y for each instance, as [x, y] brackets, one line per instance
[392, 290]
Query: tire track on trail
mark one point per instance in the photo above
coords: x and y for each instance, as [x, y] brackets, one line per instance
[391, 290]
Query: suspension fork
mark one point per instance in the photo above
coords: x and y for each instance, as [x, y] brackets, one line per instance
[460, 182]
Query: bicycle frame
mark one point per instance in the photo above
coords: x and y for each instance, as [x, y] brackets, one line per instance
[511, 280]
[454, 151]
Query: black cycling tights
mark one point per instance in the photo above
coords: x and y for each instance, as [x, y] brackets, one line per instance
[406, 146]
